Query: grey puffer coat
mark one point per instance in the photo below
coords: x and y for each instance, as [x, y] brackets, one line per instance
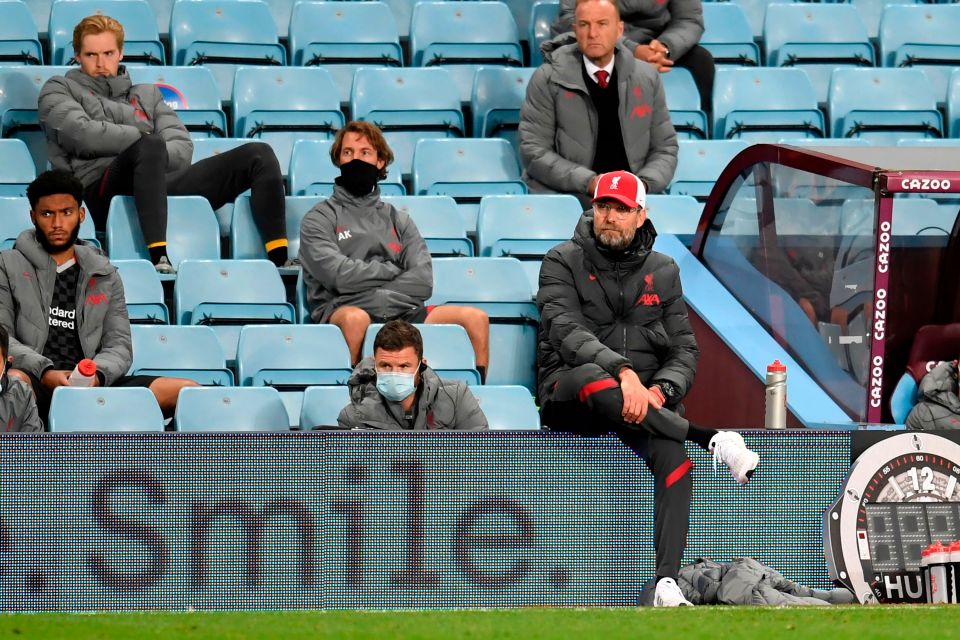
[939, 405]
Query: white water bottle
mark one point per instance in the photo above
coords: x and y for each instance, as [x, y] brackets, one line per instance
[939, 562]
[776, 396]
[84, 374]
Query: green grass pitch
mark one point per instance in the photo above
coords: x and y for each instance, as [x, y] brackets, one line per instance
[821, 623]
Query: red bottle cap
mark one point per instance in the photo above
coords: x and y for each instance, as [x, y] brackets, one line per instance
[777, 367]
[87, 367]
[955, 546]
[937, 547]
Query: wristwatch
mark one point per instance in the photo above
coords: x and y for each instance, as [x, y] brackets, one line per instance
[670, 390]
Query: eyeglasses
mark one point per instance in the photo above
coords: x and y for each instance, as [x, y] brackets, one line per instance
[609, 208]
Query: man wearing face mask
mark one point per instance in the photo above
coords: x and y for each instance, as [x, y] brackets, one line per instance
[396, 390]
[364, 260]
[617, 354]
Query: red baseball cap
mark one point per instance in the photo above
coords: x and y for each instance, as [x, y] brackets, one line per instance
[622, 186]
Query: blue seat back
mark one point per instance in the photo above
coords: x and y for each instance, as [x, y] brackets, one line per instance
[728, 35]
[214, 409]
[508, 407]
[446, 348]
[19, 90]
[312, 172]
[498, 94]
[104, 409]
[674, 214]
[467, 167]
[781, 100]
[192, 230]
[15, 217]
[922, 36]
[438, 221]
[19, 42]
[142, 291]
[525, 226]
[464, 33]
[872, 10]
[190, 91]
[293, 100]
[184, 352]
[683, 101]
[16, 168]
[239, 282]
[404, 99]
[292, 354]
[699, 164]
[953, 104]
[899, 102]
[542, 15]
[141, 41]
[245, 240]
[322, 405]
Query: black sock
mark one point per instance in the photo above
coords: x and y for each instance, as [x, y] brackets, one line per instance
[701, 436]
[483, 374]
[157, 252]
[278, 255]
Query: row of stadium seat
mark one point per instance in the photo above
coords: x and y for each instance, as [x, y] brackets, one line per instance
[219, 409]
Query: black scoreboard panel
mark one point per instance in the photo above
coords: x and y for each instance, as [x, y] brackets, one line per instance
[898, 532]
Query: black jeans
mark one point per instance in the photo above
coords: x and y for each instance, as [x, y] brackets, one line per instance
[588, 400]
[141, 171]
[699, 62]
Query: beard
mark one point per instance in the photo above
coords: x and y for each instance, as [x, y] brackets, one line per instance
[49, 247]
[616, 240]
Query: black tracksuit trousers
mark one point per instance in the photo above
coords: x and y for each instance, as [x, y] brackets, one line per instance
[141, 171]
[588, 400]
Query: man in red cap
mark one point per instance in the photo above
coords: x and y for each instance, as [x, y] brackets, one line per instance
[617, 354]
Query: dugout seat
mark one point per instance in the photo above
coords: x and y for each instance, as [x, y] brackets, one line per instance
[190, 91]
[104, 410]
[699, 164]
[508, 407]
[141, 41]
[143, 292]
[16, 168]
[322, 405]
[751, 101]
[728, 36]
[683, 101]
[212, 409]
[180, 352]
[19, 41]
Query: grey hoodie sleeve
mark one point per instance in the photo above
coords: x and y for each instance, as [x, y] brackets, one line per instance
[25, 358]
[469, 415]
[167, 124]
[64, 119]
[661, 162]
[26, 418]
[538, 130]
[116, 349]
[320, 255]
[685, 28]
[416, 280]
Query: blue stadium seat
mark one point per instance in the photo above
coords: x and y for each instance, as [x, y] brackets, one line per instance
[446, 348]
[303, 311]
[498, 94]
[215, 409]
[104, 409]
[281, 106]
[282, 11]
[903, 398]
[143, 292]
[245, 241]
[466, 169]
[19, 90]
[871, 12]
[190, 91]
[922, 217]
[542, 16]
[227, 294]
[141, 41]
[674, 215]
[40, 10]
[162, 10]
[728, 35]
[683, 101]
[816, 38]
[192, 230]
[224, 35]
[526, 227]
[749, 101]
[883, 105]
[925, 37]
[292, 358]
[500, 287]
[19, 42]
[953, 104]
[462, 35]
[322, 405]
[508, 407]
[755, 11]
[312, 172]
[16, 168]
[438, 221]
[343, 37]
[951, 143]
[407, 104]
[180, 352]
[15, 217]
[700, 163]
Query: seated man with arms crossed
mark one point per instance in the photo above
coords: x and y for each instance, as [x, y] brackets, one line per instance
[396, 390]
[364, 260]
[62, 301]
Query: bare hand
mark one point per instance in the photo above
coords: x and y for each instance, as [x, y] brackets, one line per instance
[53, 378]
[656, 54]
[637, 399]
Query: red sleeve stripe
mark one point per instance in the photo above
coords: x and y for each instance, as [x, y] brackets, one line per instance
[598, 385]
[678, 473]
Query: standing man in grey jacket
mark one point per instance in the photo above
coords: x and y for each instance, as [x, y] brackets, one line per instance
[62, 301]
[592, 107]
[364, 260]
[396, 390]
[122, 139]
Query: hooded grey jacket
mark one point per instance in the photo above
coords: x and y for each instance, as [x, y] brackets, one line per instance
[939, 405]
[678, 24]
[27, 278]
[18, 409]
[558, 122]
[441, 404]
[365, 253]
[88, 121]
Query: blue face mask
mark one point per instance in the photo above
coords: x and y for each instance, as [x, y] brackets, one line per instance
[395, 386]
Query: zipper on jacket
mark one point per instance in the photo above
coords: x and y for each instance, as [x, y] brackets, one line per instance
[623, 315]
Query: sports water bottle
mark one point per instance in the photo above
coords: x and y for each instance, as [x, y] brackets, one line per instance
[83, 374]
[925, 572]
[939, 561]
[954, 573]
[776, 396]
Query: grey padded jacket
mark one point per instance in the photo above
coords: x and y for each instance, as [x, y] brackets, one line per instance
[88, 121]
[559, 124]
[18, 409]
[441, 404]
[365, 253]
[27, 278]
[939, 405]
[678, 24]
